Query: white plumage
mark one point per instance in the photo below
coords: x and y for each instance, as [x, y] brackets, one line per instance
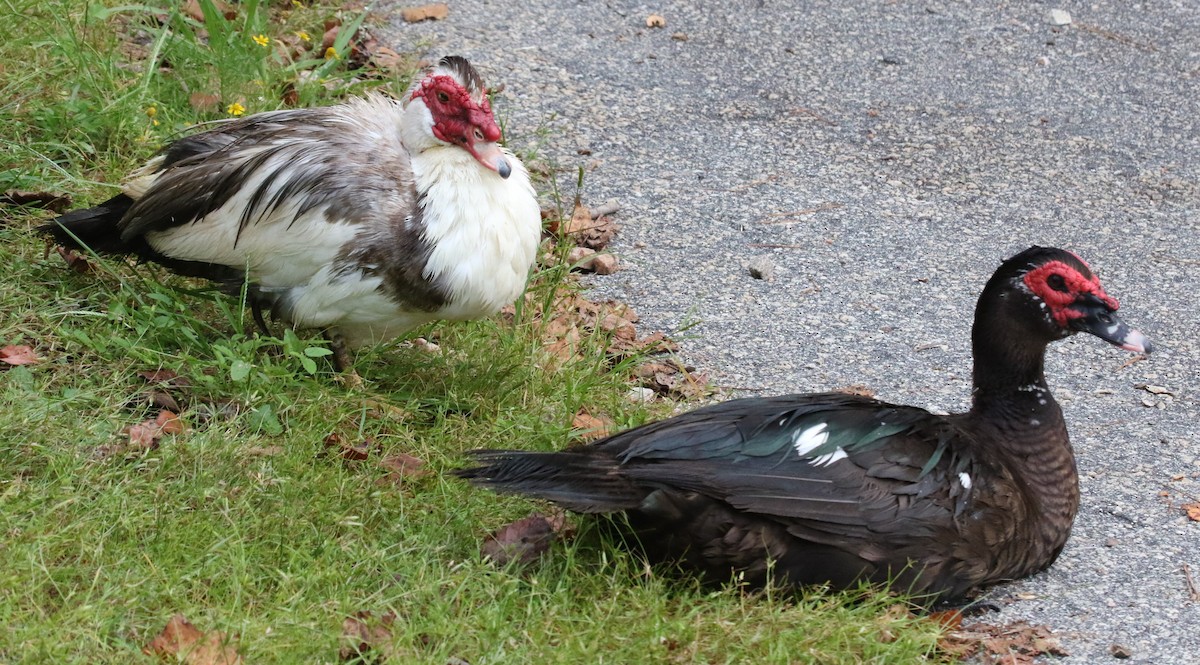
[367, 218]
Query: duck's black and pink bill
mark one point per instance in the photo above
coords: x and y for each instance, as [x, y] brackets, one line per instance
[1102, 322]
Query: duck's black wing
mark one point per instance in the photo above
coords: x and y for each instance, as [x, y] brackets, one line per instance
[825, 487]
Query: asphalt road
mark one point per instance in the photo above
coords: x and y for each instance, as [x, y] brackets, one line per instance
[885, 156]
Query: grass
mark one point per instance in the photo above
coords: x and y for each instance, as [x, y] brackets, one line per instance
[247, 523]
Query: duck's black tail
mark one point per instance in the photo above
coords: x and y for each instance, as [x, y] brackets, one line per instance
[579, 480]
[95, 228]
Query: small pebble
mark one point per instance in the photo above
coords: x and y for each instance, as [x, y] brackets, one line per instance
[640, 395]
[1120, 651]
[1058, 17]
[761, 267]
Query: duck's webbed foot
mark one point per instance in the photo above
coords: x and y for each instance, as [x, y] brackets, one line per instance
[342, 362]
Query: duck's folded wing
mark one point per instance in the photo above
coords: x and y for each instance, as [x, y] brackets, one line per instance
[290, 185]
[832, 464]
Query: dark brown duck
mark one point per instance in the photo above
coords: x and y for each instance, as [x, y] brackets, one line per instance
[833, 488]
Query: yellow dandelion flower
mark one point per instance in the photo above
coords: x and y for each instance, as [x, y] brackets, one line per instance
[304, 36]
[261, 40]
[235, 109]
[331, 53]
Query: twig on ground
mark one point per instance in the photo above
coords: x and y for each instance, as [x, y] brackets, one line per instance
[1193, 593]
[789, 217]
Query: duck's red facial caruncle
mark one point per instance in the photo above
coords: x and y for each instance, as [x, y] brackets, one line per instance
[1077, 302]
[460, 120]
[1060, 286]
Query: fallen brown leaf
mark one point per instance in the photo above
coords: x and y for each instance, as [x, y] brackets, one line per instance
[367, 636]
[1018, 642]
[145, 435]
[74, 260]
[949, 619]
[402, 466]
[589, 427]
[169, 422]
[290, 96]
[47, 200]
[182, 642]
[161, 399]
[386, 59]
[19, 354]
[522, 541]
[192, 10]
[593, 233]
[204, 102]
[349, 451]
[166, 377]
[431, 12]
[1192, 510]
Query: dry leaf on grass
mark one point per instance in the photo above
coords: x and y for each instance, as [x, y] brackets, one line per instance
[1018, 643]
[74, 260]
[18, 354]
[672, 379]
[431, 12]
[591, 427]
[1192, 510]
[145, 436]
[182, 642]
[525, 540]
[191, 8]
[165, 377]
[54, 202]
[351, 452]
[384, 58]
[204, 102]
[593, 233]
[368, 639]
[402, 466]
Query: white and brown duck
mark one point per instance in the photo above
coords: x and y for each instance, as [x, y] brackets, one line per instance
[834, 488]
[365, 219]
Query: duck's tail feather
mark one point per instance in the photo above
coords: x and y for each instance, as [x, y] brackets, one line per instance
[578, 481]
[92, 228]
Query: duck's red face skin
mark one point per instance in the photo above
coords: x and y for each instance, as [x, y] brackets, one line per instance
[457, 118]
[1060, 286]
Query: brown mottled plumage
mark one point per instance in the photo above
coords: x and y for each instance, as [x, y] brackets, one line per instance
[837, 488]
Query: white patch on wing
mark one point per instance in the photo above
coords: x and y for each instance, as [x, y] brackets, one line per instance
[804, 442]
[965, 480]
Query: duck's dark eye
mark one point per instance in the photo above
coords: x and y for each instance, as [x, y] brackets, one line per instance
[1057, 282]
[443, 97]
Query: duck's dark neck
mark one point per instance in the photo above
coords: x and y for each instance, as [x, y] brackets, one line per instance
[1009, 359]
[1005, 371]
[1014, 412]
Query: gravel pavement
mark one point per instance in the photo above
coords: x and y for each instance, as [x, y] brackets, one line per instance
[884, 157]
